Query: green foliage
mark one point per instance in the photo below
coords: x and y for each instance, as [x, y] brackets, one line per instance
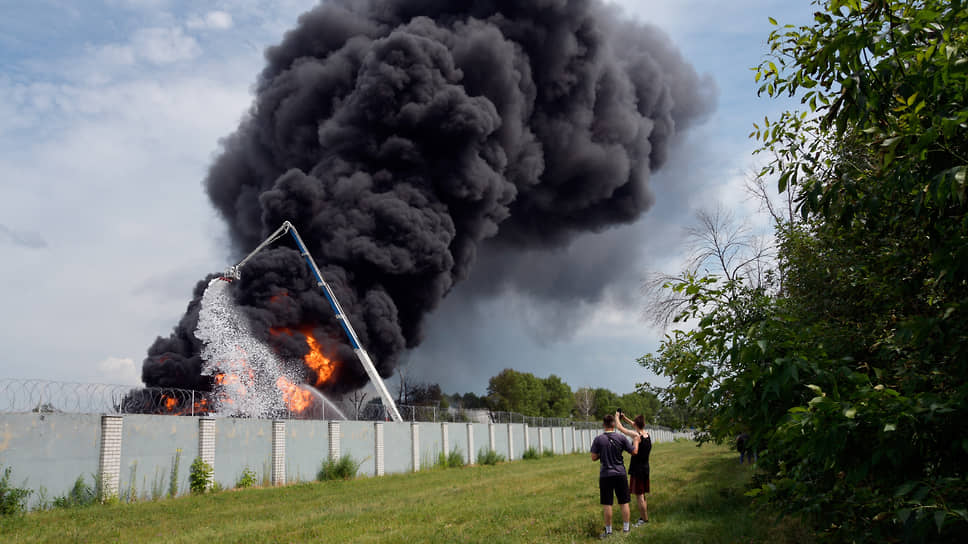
[524, 393]
[878, 278]
[488, 456]
[173, 475]
[200, 476]
[131, 493]
[247, 479]
[547, 453]
[455, 459]
[852, 375]
[81, 494]
[530, 454]
[12, 499]
[345, 468]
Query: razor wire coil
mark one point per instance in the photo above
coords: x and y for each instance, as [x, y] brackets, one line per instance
[46, 396]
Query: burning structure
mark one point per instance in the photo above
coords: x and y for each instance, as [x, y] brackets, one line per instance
[399, 136]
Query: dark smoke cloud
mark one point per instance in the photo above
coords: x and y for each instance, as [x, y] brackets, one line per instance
[399, 135]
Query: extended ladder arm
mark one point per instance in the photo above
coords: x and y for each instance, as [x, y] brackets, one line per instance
[234, 272]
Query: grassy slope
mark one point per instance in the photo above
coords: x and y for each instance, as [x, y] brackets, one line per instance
[697, 498]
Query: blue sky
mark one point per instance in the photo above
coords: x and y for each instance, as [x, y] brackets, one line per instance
[113, 110]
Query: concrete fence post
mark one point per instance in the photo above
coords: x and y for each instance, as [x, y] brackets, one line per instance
[334, 447]
[564, 445]
[278, 474]
[109, 460]
[415, 446]
[378, 448]
[527, 440]
[444, 439]
[574, 440]
[470, 443]
[510, 442]
[206, 445]
[490, 437]
[540, 441]
[551, 431]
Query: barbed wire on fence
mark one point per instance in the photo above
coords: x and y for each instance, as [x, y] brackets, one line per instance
[46, 396]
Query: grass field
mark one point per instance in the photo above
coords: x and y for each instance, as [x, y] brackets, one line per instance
[697, 498]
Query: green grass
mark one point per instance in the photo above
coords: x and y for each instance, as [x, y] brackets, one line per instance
[697, 499]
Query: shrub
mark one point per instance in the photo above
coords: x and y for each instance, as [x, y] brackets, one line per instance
[547, 453]
[200, 476]
[343, 469]
[12, 499]
[455, 459]
[79, 495]
[173, 479]
[247, 479]
[530, 453]
[489, 457]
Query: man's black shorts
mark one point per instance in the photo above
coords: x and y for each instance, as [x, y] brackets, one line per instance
[614, 485]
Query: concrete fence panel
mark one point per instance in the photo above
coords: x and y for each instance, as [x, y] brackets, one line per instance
[241, 444]
[307, 447]
[396, 447]
[149, 447]
[430, 443]
[481, 438]
[501, 439]
[50, 451]
[356, 440]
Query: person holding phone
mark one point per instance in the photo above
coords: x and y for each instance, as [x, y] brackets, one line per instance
[639, 482]
[612, 480]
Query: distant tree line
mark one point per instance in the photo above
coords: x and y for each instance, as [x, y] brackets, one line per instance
[526, 394]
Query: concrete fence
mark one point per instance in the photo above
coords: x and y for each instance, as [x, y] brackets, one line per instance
[138, 457]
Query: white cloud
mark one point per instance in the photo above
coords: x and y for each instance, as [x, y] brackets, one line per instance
[217, 20]
[119, 370]
[155, 45]
[164, 45]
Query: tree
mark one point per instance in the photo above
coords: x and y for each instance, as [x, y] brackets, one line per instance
[878, 162]
[558, 400]
[606, 402]
[513, 391]
[640, 402]
[721, 247]
[524, 393]
[585, 403]
[357, 401]
[853, 378]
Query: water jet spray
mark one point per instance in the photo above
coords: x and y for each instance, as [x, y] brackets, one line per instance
[235, 272]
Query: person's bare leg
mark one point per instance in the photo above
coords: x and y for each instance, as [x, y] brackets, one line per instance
[625, 513]
[643, 507]
[607, 514]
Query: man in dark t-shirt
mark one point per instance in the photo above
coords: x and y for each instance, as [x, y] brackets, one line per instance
[612, 480]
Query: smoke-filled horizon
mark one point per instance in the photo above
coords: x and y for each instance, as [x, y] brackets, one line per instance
[398, 135]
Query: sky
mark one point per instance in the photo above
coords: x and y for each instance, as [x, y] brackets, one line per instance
[113, 110]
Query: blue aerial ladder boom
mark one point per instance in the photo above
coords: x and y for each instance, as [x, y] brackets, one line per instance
[234, 272]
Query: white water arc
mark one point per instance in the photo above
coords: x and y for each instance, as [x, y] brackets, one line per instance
[248, 373]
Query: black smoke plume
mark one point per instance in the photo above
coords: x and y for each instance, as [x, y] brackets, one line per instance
[398, 135]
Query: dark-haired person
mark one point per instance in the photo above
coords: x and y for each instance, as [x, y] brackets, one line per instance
[612, 481]
[639, 483]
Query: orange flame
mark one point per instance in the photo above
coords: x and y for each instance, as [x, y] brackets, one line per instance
[296, 398]
[320, 364]
[171, 406]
